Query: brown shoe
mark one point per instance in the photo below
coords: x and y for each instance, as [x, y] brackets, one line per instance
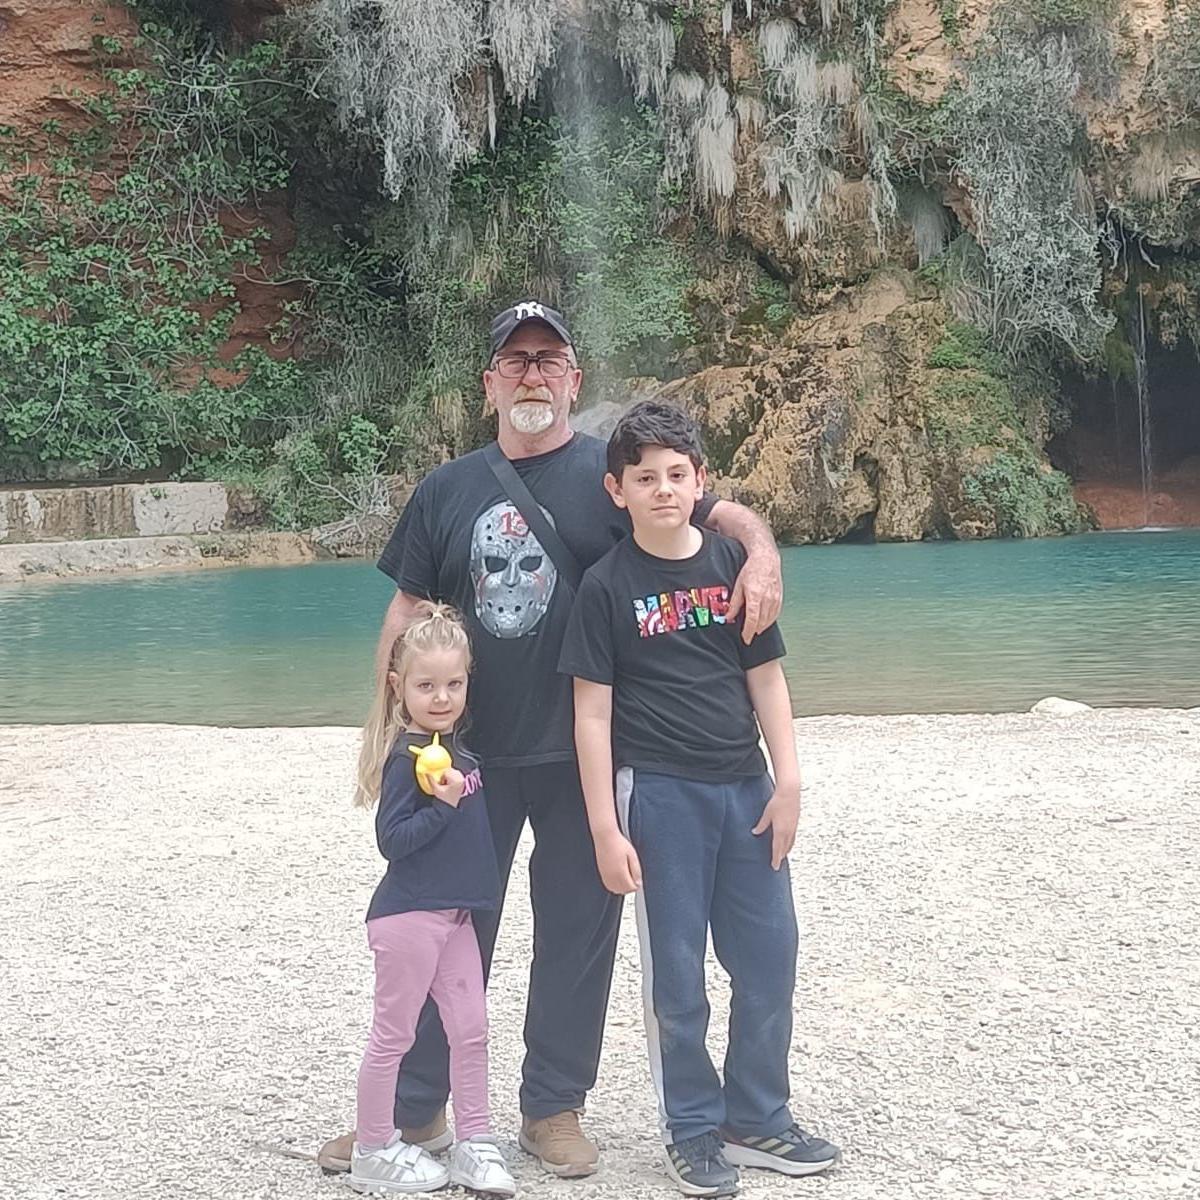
[434, 1137]
[334, 1157]
[559, 1145]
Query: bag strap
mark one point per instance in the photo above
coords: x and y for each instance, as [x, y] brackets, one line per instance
[515, 489]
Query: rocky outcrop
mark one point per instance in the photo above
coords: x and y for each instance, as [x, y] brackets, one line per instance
[848, 427]
[844, 428]
[1143, 161]
[846, 423]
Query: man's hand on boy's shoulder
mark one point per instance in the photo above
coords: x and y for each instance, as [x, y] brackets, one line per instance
[620, 870]
[758, 590]
[781, 815]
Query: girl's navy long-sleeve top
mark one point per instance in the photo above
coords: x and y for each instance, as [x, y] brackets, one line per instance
[438, 856]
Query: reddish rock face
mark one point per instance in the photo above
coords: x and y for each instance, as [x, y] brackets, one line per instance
[49, 68]
[1173, 499]
[46, 56]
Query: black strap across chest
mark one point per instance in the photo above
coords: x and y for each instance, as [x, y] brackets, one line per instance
[515, 489]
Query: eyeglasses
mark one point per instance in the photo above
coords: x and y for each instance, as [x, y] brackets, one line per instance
[550, 364]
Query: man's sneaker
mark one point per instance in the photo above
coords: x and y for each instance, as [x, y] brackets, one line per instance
[334, 1157]
[792, 1152]
[477, 1164]
[395, 1169]
[700, 1168]
[558, 1144]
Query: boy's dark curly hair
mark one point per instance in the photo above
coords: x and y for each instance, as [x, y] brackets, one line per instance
[652, 423]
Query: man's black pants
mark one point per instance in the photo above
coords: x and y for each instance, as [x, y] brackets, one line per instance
[575, 925]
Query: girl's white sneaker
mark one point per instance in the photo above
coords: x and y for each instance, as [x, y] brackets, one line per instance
[477, 1163]
[395, 1169]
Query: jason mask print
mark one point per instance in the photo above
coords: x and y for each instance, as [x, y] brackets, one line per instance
[512, 575]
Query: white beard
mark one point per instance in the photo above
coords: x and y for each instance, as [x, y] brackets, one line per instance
[531, 417]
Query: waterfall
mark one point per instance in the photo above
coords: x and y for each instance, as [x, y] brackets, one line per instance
[1143, 405]
[1114, 388]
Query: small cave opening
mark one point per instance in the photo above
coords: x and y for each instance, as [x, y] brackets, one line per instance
[862, 532]
[863, 529]
[1133, 446]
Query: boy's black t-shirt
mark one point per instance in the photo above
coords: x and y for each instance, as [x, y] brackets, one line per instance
[655, 630]
[462, 541]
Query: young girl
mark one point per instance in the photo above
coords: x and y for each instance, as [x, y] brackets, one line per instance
[441, 865]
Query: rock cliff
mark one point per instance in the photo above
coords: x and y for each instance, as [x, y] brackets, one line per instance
[869, 411]
[845, 427]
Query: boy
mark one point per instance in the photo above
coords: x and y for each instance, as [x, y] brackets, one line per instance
[694, 824]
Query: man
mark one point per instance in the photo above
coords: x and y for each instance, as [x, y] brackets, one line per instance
[462, 540]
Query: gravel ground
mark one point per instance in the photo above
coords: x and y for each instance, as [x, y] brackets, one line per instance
[999, 991]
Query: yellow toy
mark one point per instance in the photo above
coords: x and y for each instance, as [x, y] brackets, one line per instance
[433, 761]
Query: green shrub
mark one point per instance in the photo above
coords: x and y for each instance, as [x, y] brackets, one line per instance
[948, 10]
[970, 409]
[964, 347]
[1176, 81]
[770, 304]
[1025, 498]
[114, 300]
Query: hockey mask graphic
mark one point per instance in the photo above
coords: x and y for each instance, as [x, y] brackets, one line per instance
[513, 576]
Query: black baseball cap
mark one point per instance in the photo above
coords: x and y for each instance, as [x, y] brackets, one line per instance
[507, 323]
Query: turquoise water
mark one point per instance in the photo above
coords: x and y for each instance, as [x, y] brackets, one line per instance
[1110, 619]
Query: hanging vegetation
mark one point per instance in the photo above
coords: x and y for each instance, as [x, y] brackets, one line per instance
[523, 38]
[1177, 74]
[803, 132]
[402, 70]
[1039, 275]
[645, 44]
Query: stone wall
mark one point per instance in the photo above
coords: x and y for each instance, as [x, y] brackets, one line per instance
[122, 510]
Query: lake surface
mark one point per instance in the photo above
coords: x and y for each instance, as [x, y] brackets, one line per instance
[1110, 619]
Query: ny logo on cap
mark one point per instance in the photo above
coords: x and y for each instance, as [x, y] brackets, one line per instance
[529, 309]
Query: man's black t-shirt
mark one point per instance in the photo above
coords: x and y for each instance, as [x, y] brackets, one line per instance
[462, 541]
[655, 629]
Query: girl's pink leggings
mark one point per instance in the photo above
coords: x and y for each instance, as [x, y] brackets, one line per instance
[420, 954]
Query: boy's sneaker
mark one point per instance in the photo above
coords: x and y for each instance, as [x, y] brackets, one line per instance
[700, 1168]
[792, 1152]
[477, 1164]
[395, 1169]
[334, 1156]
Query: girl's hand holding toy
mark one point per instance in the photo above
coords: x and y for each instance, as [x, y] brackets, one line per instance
[449, 788]
[435, 774]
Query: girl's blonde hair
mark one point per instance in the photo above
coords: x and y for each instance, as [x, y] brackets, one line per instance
[433, 627]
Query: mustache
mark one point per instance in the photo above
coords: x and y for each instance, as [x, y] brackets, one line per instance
[533, 393]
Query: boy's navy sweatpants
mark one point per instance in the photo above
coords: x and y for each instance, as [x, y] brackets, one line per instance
[702, 868]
